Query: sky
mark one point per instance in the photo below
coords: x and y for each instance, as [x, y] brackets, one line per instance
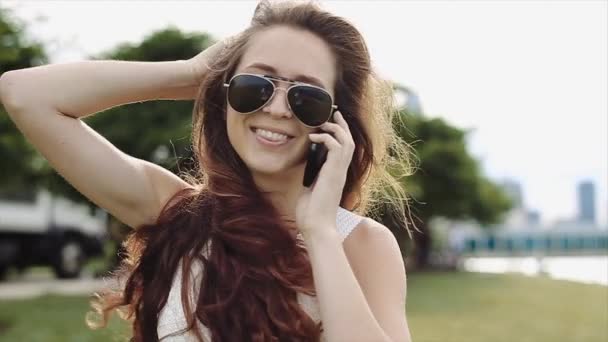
[529, 79]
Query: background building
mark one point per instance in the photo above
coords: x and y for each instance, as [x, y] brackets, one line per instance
[586, 202]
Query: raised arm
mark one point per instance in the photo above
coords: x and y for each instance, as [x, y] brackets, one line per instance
[47, 102]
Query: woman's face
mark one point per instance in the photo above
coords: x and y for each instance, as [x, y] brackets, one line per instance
[289, 53]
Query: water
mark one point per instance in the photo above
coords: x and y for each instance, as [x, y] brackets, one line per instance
[584, 269]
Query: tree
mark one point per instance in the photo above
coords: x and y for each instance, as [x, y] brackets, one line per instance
[447, 182]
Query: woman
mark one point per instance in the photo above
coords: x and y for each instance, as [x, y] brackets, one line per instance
[269, 259]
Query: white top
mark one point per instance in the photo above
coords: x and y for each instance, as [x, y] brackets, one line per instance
[172, 318]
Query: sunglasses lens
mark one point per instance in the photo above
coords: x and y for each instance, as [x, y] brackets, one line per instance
[311, 105]
[248, 93]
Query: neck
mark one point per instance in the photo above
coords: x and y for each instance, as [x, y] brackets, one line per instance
[282, 191]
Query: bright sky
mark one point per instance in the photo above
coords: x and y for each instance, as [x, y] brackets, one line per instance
[529, 77]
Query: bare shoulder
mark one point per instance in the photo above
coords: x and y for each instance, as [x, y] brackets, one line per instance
[369, 233]
[370, 244]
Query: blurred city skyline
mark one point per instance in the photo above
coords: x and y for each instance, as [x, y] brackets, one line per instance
[526, 217]
[529, 78]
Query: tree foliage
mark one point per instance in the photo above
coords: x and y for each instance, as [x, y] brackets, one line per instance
[448, 181]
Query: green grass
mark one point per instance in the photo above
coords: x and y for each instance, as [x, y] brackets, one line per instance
[442, 307]
[54, 318]
[475, 307]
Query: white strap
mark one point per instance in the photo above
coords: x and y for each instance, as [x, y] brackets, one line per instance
[346, 221]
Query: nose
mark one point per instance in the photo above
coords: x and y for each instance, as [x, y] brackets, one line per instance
[277, 106]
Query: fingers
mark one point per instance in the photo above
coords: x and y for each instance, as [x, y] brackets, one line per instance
[341, 138]
[339, 129]
[330, 142]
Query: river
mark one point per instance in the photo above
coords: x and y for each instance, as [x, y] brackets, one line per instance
[584, 269]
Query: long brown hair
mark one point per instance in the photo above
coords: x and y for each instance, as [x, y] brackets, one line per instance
[254, 267]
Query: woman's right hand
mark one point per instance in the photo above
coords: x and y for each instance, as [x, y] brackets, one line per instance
[199, 64]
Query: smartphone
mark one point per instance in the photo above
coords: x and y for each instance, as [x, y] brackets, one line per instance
[317, 154]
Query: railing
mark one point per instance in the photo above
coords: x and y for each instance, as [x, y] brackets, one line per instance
[549, 243]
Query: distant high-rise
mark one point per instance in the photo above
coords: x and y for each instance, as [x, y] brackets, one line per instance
[586, 202]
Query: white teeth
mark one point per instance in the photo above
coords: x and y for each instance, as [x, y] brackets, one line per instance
[270, 135]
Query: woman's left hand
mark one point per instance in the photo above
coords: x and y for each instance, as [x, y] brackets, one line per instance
[317, 206]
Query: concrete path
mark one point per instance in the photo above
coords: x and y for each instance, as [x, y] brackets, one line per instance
[34, 285]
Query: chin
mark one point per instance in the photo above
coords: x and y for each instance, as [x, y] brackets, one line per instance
[259, 161]
[274, 169]
[266, 170]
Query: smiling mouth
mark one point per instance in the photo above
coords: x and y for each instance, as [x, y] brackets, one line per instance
[270, 140]
[270, 135]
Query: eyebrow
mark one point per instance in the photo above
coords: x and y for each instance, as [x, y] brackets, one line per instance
[301, 78]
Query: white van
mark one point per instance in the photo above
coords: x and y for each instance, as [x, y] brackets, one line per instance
[37, 228]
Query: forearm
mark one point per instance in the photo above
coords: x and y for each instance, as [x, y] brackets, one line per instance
[344, 310]
[80, 89]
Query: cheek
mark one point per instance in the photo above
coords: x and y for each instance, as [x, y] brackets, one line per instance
[230, 117]
[234, 127]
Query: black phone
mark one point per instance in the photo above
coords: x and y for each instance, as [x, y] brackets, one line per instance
[317, 154]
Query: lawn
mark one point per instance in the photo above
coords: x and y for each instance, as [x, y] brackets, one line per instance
[53, 319]
[442, 307]
[474, 307]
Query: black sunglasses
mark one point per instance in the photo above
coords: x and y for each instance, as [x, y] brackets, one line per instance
[312, 105]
